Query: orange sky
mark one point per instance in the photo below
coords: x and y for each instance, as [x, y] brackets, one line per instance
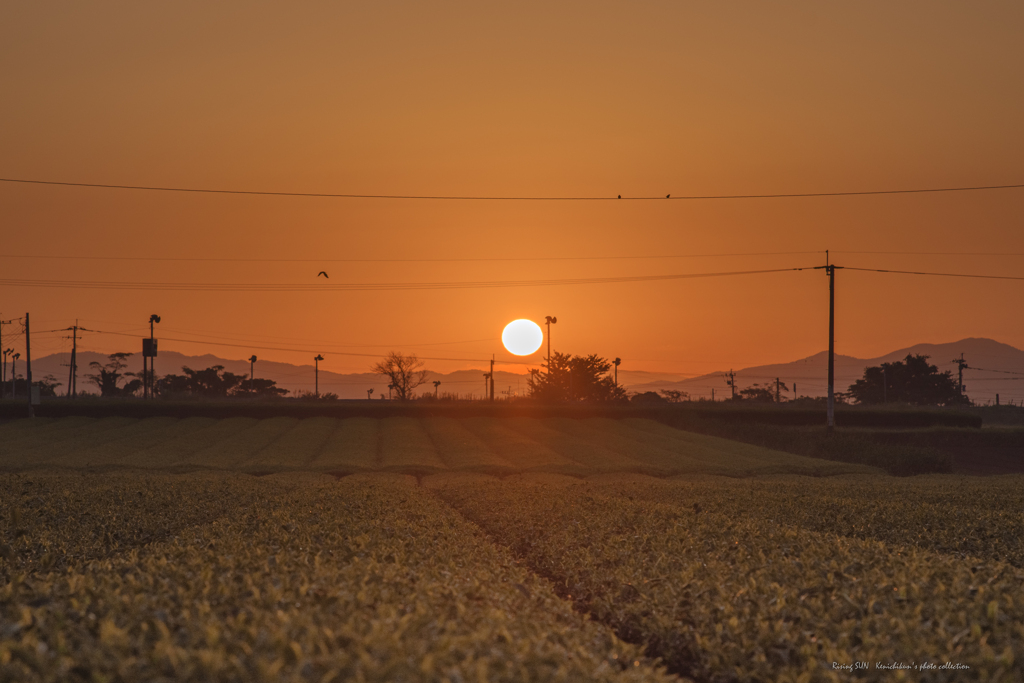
[460, 99]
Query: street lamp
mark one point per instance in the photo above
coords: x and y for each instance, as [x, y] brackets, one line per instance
[252, 370]
[390, 387]
[437, 383]
[316, 374]
[368, 393]
[548, 319]
[616, 364]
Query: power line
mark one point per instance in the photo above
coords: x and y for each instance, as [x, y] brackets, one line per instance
[277, 348]
[408, 260]
[792, 195]
[914, 272]
[367, 286]
[932, 253]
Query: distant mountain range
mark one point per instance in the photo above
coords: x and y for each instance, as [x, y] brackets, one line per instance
[991, 370]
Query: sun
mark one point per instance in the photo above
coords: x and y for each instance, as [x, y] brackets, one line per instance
[522, 337]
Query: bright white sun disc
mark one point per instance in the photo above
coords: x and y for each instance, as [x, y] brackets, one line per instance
[522, 337]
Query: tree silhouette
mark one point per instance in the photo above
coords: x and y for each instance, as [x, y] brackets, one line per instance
[211, 382]
[576, 378]
[405, 372]
[911, 380]
[260, 388]
[108, 376]
[674, 395]
[762, 393]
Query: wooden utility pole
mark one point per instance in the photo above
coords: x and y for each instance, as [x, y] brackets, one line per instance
[960, 364]
[73, 367]
[491, 376]
[731, 382]
[316, 375]
[831, 271]
[28, 367]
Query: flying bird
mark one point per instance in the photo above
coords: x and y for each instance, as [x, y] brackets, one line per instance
[324, 274]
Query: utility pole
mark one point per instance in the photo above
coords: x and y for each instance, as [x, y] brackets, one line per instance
[885, 387]
[316, 375]
[149, 351]
[616, 364]
[961, 364]
[777, 399]
[731, 382]
[831, 271]
[73, 365]
[252, 370]
[14, 372]
[437, 383]
[28, 366]
[794, 391]
[491, 376]
[548, 319]
[712, 394]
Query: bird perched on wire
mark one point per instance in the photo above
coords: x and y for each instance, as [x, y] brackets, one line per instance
[324, 274]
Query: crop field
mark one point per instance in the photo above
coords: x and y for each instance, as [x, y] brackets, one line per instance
[404, 445]
[487, 549]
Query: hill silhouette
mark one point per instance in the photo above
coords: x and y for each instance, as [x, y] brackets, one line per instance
[808, 374]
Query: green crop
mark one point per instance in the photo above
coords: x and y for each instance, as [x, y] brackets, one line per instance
[723, 593]
[369, 579]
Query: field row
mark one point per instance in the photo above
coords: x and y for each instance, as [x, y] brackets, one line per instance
[725, 592]
[396, 444]
[307, 579]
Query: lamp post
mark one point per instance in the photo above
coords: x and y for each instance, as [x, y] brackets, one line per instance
[252, 370]
[149, 377]
[616, 364]
[548, 319]
[369, 393]
[437, 383]
[390, 387]
[316, 375]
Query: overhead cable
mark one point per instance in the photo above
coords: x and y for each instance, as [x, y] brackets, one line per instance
[788, 195]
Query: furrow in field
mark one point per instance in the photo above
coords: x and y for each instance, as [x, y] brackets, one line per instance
[611, 434]
[144, 433]
[461, 449]
[51, 520]
[200, 433]
[90, 434]
[369, 579]
[236, 451]
[297, 448]
[734, 596]
[591, 456]
[406, 447]
[904, 512]
[518, 450]
[352, 446]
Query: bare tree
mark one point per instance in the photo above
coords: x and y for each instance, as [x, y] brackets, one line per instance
[405, 372]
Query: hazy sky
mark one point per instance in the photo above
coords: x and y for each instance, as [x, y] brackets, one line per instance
[550, 99]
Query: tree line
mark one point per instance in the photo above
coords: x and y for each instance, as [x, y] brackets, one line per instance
[566, 378]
